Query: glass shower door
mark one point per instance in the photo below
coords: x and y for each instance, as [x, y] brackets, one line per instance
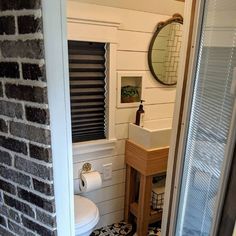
[209, 121]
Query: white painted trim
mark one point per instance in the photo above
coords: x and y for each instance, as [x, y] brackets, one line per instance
[56, 57]
[92, 30]
[110, 65]
[93, 147]
[111, 82]
[119, 84]
[170, 164]
[186, 113]
[93, 22]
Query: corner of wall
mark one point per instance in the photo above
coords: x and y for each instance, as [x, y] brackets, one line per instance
[27, 205]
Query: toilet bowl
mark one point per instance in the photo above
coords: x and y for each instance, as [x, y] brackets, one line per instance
[86, 216]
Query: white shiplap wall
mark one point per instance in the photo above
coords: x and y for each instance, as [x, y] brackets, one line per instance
[132, 38]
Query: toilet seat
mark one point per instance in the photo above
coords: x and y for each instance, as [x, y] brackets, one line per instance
[86, 214]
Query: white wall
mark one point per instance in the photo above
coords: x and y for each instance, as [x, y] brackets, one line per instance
[132, 39]
[165, 7]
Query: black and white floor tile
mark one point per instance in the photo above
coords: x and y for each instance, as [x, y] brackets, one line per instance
[123, 228]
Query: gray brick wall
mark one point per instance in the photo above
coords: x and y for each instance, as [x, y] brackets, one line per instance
[27, 204]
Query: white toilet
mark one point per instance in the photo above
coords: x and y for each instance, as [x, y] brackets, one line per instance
[86, 216]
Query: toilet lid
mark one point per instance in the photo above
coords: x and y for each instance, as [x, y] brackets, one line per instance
[85, 211]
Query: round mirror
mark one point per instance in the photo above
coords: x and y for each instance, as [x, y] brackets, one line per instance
[164, 50]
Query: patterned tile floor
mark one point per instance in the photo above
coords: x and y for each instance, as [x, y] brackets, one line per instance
[123, 228]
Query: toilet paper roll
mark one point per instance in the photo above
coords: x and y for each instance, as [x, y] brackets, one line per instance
[90, 181]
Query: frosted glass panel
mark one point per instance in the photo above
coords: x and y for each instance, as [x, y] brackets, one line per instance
[210, 117]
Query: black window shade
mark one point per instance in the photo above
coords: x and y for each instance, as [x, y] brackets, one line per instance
[87, 90]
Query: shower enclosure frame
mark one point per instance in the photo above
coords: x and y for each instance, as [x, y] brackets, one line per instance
[176, 183]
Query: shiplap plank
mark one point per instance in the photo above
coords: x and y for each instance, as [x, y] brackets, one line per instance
[94, 155]
[120, 147]
[125, 115]
[121, 131]
[89, 32]
[137, 41]
[159, 95]
[117, 178]
[106, 193]
[130, 60]
[97, 164]
[152, 112]
[150, 81]
[111, 206]
[110, 218]
[160, 111]
[129, 19]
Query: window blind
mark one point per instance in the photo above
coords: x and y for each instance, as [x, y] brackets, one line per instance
[209, 121]
[87, 90]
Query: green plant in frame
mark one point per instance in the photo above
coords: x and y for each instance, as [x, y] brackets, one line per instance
[129, 94]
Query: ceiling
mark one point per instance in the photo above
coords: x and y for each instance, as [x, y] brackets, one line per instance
[164, 7]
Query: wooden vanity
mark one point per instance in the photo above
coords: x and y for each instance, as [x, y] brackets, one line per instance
[149, 163]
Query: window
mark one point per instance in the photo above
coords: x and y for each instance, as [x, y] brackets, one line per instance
[87, 67]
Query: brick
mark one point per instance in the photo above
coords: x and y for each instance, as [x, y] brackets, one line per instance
[35, 169]
[26, 93]
[3, 210]
[10, 213]
[40, 230]
[3, 126]
[32, 49]
[42, 187]
[13, 215]
[15, 176]
[46, 218]
[29, 24]
[30, 132]
[3, 221]
[40, 153]
[47, 205]
[16, 228]
[19, 4]
[6, 158]
[18, 205]
[1, 90]
[7, 25]
[37, 115]
[7, 187]
[33, 72]
[13, 145]
[9, 70]
[11, 109]
[5, 232]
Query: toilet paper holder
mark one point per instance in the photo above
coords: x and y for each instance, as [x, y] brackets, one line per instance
[87, 167]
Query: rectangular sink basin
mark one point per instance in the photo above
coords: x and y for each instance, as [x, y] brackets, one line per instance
[154, 134]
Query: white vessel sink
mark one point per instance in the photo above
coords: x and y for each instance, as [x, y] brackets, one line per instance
[154, 134]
